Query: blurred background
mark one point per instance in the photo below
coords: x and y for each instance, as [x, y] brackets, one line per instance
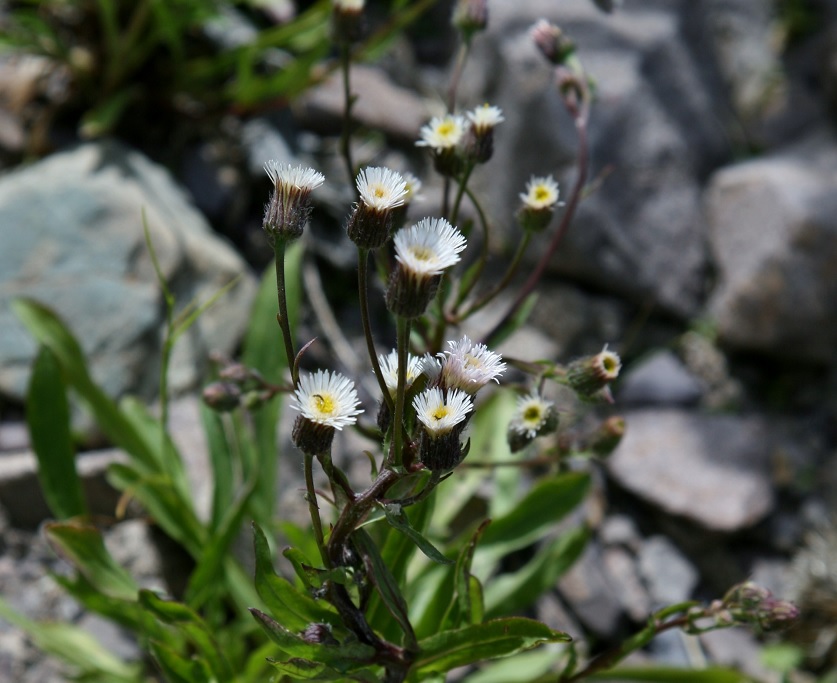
[705, 253]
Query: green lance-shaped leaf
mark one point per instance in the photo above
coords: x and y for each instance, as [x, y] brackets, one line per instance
[164, 504]
[82, 545]
[467, 595]
[294, 609]
[193, 627]
[668, 674]
[342, 657]
[511, 593]
[547, 503]
[397, 518]
[74, 646]
[498, 638]
[180, 669]
[385, 582]
[48, 415]
[50, 331]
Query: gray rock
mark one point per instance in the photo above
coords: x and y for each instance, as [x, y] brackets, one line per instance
[670, 577]
[659, 379]
[588, 591]
[712, 469]
[621, 569]
[380, 105]
[78, 246]
[773, 232]
[649, 128]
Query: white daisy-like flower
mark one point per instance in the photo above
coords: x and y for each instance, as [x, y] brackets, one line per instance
[484, 118]
[413, 185]
[440, 414]
[431, 368]
[532, 414]
[328, 399]
[286, 177]
[389, 369]
[442, 133]
[428, 247]
[469, 366]
[381, 189]
[348, 5]
[607, 364]
[541, 193]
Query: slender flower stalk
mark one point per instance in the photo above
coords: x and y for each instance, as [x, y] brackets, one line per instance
[403, 343]
[363, 293]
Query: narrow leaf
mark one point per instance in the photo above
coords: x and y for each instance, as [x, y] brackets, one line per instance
[82, 545]
[499, 638]
[385, 583]
[398, 520]
[50, 331]
[177, 668]
[668, 674]
[48, 415]
[295, 609]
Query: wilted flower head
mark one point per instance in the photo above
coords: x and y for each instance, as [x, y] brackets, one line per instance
[289, 207]
[485, 117]
[440, 413]
[423, 251]
[381, 190]
[442, 133]
[480, 145]
[469, 366]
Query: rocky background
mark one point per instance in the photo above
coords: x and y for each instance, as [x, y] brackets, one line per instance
[707, 256]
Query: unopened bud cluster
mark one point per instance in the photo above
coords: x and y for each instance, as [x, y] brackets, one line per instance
[237, 386]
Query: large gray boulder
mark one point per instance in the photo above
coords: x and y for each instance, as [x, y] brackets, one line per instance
[71, 236]
[655, 127]
[773, 232]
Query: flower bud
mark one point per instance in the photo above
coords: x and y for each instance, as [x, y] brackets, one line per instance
[552, 42]
[479, 145]
[470, 17]
[222, 396]
[289, 207]
[319, 634]
[347, 20]
[608, 436]
[590, 375]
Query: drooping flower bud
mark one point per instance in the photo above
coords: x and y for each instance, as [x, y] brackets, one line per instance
[222, 397]
[590, 375]
[347, 20]
[552, 42]
[608, 436]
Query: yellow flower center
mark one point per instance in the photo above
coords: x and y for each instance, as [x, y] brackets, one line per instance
[541, 193]
[379, 192]
[440, 412]
[324, 404]
[422, 253]
[446, 128]
[472, 361]
[532, 414]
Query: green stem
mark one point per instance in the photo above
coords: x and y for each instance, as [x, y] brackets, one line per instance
[314, 509]
[284, 322]
[363, 291]
[403, 344]
[460, 192]
[461, 58]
